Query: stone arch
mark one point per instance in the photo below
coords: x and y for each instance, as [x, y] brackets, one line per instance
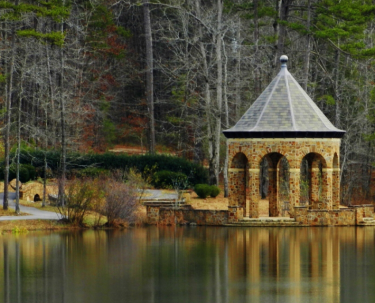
[318, 181]
[238, 180]
[273, 173]
[238, 160]
[335, 182]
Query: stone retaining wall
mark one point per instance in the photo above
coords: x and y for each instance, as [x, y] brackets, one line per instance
[317, 217]
[170, 216]
[363, 211]
[349, 216]
[303, 216]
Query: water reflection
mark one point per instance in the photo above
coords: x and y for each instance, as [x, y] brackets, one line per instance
[175, 264]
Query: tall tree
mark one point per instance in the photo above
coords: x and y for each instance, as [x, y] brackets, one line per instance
[149, 74]
[14, 14]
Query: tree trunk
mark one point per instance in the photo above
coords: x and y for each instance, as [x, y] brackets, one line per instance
[8, 118]
[308, 49]
[257, 84]
[206, 96]
[17, 208]
[238, 72]
[219, 95]
[53, 127]
[62, 128]
[226, 182]
[337, 89]
[283, 15]
[149, 74]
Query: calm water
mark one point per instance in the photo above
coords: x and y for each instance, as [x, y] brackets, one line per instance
[190, 264]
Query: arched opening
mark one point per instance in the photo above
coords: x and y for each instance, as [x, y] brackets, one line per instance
[274, 184]
[313, 182]
[284, 186]
[238, 178]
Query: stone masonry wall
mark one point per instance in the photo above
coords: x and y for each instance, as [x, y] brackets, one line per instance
[294, 151]
[363, 211]
[170, 216]
[324, 217]
[152, 214]
[305, 217]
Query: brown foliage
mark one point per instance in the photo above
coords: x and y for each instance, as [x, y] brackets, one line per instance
[120, 202]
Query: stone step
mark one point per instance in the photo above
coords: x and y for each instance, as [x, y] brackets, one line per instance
[269, 219]
[266, 221]
[263, 224]
[367, 221]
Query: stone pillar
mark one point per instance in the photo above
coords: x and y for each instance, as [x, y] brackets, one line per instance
[294, 187]
[336, 188]
[237, 187]
[254, 192]
[235, 214]
[327, 188]
[153, 214]
[273, 190]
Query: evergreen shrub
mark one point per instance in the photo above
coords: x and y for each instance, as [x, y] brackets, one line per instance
[32, 171]
[168, 179]
[24, 173]
[90, 172]
[205, 190]
[196, 173]
[215, 191]
[202, 190]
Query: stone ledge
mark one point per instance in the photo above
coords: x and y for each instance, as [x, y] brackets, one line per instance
[363, 205]
[330, 210]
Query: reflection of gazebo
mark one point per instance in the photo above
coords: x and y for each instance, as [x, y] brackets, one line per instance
[284, 122]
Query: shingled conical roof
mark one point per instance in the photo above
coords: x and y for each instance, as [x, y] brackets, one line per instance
[284, 110]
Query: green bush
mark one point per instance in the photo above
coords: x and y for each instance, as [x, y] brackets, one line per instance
[205, 190]
[169, 179]
[90, 172]
[111, 161]
[215, 191]
[32, 171]
[202, 190]
[27, 172]
[24, 173]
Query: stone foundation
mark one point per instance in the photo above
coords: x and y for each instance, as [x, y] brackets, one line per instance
[357, 215]
[235, 214]
[321, 217]
[363, 212]
[171, 216]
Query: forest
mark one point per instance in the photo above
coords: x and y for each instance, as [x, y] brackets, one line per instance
[85, 75]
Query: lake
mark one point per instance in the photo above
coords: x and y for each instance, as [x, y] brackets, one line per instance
[190, 264]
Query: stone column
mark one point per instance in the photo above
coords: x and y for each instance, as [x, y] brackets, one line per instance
[327, 188]
[237, 187]
[294, 187]
[273, 190]
[336, 188]
[254, 192]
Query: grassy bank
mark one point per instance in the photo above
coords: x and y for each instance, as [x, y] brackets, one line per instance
[24, 226]
[92, 220]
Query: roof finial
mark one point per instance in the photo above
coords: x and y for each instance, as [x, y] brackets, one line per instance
[283, 60]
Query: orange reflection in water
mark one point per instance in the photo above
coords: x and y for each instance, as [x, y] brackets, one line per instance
[290, 262]
[186, 264]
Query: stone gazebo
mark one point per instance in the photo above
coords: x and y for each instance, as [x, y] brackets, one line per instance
[283, 122]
